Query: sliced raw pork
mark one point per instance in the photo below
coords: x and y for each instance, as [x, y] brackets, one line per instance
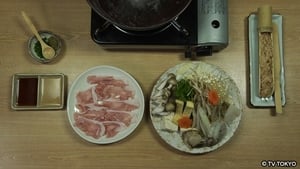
[106, 108]
[85, 97]
[108, 115]
[97, 129]
[105, 80]
[113, 92]
[89, 127]
[112, 128]
[117, 105]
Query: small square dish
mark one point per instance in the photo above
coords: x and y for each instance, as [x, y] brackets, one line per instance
[254, 65]
[38, 91]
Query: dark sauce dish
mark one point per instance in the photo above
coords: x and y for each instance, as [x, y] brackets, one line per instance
[38, 91]
[35, 49]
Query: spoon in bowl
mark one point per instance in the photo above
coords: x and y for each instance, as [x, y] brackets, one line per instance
[47, 51]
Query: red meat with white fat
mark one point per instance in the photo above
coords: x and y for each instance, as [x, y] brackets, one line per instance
[106, 108]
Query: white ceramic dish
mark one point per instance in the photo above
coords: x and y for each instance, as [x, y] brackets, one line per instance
[45, 35]
[253, 61]
[232, 93]
[80, 84]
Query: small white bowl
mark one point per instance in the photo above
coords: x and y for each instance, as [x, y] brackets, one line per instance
[35, 50]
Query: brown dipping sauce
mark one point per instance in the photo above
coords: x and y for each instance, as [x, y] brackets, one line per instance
[28, 88]
[50, 91]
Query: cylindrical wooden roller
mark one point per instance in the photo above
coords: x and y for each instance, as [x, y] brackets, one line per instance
[265, 45]
[264, 19]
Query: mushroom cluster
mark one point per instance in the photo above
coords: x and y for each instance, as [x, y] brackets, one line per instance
[164, 99]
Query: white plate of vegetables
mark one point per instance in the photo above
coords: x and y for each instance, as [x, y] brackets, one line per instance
[195, 107]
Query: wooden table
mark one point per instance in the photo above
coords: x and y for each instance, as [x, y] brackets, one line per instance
[45, 139]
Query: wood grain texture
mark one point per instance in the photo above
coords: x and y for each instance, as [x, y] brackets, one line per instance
[45, 139]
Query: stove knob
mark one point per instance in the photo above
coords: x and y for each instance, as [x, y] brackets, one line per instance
[196, 51]
[203, 51]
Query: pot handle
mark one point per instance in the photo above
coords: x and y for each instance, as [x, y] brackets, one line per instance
[102, 28]
[180, 28]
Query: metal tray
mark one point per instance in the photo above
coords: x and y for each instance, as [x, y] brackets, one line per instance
[253, 61]
[48, 91]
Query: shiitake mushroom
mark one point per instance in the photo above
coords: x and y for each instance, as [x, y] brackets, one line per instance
[170, 107]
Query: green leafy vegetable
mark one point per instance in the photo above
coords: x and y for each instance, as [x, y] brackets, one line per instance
[38, 49]
[184, 91]
[51, 41]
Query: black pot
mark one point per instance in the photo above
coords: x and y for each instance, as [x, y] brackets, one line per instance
[139, 15]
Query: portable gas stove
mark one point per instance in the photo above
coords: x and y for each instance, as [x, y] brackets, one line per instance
[200, 30]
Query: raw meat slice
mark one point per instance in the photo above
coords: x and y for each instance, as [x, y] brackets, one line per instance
[97, 129]
[85, 97]
[90, 128]
[108, 115]
[124, 117]
[117, 105]
[114, 92]
[106, 108]
[105, 80]
[112, 128]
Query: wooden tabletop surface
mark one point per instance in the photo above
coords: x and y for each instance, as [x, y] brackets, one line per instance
[45, 139]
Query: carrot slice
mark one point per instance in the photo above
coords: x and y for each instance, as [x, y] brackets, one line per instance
[185, 122]
[213, 97]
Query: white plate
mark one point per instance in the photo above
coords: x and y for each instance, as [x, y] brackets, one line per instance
[80, 84]
[253, 59]
[185, 70]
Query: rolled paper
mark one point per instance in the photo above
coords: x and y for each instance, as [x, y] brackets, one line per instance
[264, 19]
